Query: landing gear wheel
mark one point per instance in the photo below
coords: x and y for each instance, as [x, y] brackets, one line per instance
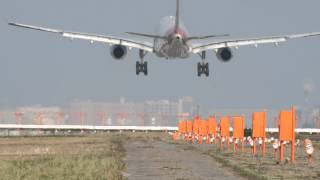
[145, 68]
[206, 69]
[137, 68]
[199, 69]
[203, 68]
[142, 68]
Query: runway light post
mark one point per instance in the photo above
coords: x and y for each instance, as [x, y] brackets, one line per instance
[275, 146]
[309, 149]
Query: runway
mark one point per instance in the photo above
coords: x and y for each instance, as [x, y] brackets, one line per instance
[159, 160]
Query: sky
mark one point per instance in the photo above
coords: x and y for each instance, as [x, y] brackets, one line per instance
[42, 68]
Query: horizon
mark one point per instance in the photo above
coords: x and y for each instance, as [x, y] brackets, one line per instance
[40, 68]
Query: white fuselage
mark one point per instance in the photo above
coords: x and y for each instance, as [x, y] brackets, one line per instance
[174, 44]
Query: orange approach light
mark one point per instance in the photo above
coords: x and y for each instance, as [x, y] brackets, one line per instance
[196, 125]
[189, 126]
[224, 131]
[286, 124]
[203, 130]
[287, 120]
[224, 127]
[238, 127]
[259, 130]
[238, 132]
[309, 149]
[259, 124]
[182, 127]
[212, 126]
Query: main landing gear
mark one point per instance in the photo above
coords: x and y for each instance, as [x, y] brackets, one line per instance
[203, 67]
[141, 66]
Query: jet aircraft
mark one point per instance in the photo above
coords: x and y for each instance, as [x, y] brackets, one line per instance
[173, 42]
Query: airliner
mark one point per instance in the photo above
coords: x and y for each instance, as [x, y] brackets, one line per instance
[171, 42]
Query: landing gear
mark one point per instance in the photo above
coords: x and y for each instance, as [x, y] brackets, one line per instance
[142, 67]
[203, 67]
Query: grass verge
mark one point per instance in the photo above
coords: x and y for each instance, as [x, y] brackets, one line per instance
[90, 157]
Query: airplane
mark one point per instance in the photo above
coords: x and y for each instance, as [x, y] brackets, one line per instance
[173, 43]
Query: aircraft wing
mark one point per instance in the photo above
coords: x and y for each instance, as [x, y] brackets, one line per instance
[250, 41]
[146, 46]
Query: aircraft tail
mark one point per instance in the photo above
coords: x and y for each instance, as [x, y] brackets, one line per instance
[177, 23]
[176, 26]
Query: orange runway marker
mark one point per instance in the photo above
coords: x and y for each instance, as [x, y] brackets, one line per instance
[287, 120]
[238, 131]
[203, 130]
[212, 128]
[189, 130]
[224, 130]
[259, 130]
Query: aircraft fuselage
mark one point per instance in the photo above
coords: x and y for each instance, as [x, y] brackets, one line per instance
[175, 44]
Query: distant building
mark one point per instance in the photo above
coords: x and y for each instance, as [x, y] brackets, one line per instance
[148, 113]
[39, 115]
[122, 113]
[104, 113]
[309, 117]
[160, 113]
[316, 117]
[186, 107]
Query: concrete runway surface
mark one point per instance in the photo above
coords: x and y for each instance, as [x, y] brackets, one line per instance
[162, 161]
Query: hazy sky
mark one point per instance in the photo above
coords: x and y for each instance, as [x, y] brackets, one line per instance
[42, 68]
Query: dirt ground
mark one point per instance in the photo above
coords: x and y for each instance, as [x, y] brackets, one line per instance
[153, 159]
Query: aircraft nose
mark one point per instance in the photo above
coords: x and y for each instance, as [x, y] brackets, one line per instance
[178, 37]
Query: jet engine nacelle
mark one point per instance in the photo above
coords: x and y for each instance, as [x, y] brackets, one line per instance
[224, 54]
[118, 52]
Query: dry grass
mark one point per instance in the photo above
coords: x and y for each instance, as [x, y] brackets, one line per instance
[90, 157]
[100, 157]
[265, 167]
[255, 167]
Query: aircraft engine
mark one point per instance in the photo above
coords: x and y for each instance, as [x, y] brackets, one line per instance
[224, 54]
[118, 52]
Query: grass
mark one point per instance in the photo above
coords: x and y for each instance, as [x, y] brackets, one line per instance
[89, 157]
[264, 167]
[245, 172]
[100, 157]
